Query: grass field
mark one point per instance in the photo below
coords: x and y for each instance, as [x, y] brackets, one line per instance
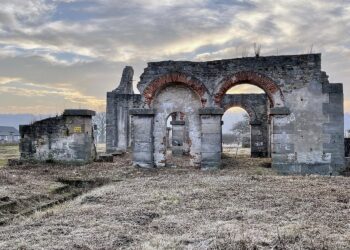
[8, 152]
[244, 205]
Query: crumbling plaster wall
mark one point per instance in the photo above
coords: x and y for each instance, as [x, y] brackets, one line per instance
[176, 98]
[65, 138]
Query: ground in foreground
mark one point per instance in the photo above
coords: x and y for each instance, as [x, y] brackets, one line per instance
[242, 206]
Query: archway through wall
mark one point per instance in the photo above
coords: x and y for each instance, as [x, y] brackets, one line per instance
[256, 106]
[271, 89]
[176, 125]
[236, 132]
[177, 139]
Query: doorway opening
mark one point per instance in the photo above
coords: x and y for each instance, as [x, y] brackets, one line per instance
[177, 138]
[236, 132]
[253, 128]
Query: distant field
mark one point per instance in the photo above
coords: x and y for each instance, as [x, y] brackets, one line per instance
[101, 147]
[7, 152]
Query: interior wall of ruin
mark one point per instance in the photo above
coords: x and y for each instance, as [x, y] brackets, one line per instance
[176, 98]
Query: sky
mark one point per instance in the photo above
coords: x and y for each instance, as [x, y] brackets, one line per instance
[57, 54]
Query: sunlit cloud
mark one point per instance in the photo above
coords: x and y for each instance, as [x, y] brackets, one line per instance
[32, 90]
[74, 51]
[6, 80]
[245, 89]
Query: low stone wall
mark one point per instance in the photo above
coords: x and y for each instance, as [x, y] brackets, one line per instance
[66, 138]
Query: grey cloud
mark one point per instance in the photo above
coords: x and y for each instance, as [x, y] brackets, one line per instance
[114, 33]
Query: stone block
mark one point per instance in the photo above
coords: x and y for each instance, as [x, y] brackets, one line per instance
[78, 112]
[282, 148]
[332, 88]
[211, 139]
[143, 146]
[211, 111]
[139, 111]
[210, 160]
[177, 123]
[141, 157]
[211, 128]
[279, 111]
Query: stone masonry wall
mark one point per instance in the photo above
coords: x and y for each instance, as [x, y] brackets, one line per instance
[306, 110]
[65, 138]
[119, 102]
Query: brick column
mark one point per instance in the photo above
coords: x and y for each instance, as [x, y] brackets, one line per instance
[143, 144]
[211, 140]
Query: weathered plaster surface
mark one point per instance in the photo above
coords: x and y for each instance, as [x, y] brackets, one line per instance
[176, 98]
[306, 111]
[65, 138]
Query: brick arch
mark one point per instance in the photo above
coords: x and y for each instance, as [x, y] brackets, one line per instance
[272, 90]
[174, 114]
[165, 80]
[251, 112]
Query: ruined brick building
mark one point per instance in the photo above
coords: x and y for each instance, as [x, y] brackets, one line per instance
[299, 120]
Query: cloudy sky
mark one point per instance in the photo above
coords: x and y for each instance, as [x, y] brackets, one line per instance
[56, 54]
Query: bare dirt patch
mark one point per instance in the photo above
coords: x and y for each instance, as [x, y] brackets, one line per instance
[245, 205]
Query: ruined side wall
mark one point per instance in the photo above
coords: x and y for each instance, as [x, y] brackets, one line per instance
[119, 102]
[307, 134]
[63, 139]
[176, 98]
[118, 133]
[309, 140]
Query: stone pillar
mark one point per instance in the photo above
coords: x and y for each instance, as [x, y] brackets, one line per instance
[222, 149]
[334, 129]
[282, 144]
[211, 137]
[111, 131]
[122, 127]
[168, 137]
[178, 134]
[143, 144]
[259, 140]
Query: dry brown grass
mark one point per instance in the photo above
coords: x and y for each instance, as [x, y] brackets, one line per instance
[8, 152]
[242, 206]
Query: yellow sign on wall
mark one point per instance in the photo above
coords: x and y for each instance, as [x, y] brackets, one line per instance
[77, 129]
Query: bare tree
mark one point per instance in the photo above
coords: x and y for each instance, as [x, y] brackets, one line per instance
[241, 128]
[257, 49]
[100, 121]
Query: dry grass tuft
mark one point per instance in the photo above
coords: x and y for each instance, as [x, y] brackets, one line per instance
[245, 205]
